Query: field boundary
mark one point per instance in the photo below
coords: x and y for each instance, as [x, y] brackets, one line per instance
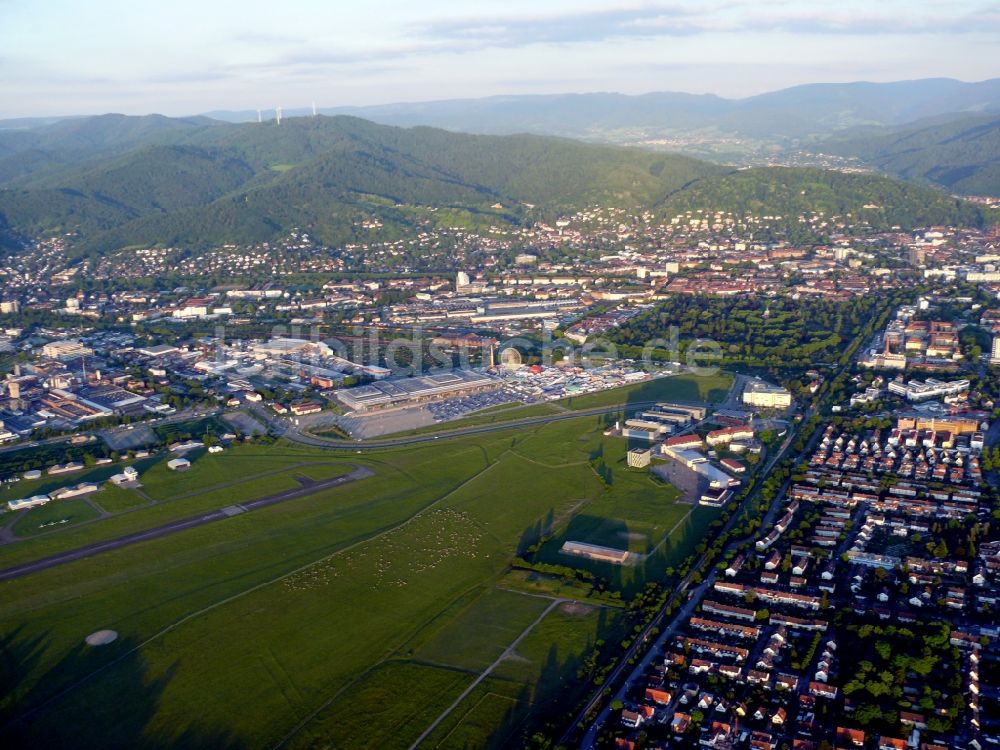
[485, 673]
[472, 708]
[329, 701]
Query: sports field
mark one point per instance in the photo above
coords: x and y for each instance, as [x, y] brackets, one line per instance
[355, 616]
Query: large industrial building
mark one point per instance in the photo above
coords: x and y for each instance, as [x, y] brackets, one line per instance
[389, 394]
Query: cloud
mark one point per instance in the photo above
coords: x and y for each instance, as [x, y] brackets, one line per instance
[570, 27]
[263, 37]
[660, 20]
[878, 21]
[204, 76]
[472, 34]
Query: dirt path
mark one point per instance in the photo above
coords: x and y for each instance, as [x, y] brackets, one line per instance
[486, 673]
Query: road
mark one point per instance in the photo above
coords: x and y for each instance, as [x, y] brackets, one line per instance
[157, 532]
[694, 597]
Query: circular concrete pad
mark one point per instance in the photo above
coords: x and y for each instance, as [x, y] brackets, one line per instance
[101, 638]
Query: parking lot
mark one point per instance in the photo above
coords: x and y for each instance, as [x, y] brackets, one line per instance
[444, 411]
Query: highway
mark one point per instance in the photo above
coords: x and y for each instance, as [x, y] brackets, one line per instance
[191, 522]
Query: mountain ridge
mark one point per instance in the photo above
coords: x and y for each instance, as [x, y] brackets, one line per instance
[330, 176]
[797, 111]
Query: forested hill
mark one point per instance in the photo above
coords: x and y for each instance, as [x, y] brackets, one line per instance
[962, 155]
[243, 183]
[198, 183]
[791, 192]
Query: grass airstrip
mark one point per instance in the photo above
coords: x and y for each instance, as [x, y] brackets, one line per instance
[352, 617]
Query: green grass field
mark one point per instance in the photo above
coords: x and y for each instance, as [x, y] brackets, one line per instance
[491, 415]
[476, 636]
[211, 483]
[541, 673]
[56, 514]
[350, 617]
[688, 387]
[114, 499]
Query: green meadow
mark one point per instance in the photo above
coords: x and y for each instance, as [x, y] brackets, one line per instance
[353, 616]
[686, 387]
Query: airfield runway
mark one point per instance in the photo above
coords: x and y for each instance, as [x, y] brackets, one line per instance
[359, 472]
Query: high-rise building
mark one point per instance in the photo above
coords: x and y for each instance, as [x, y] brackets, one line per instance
[995, 355]
[918, 255]
[461, 279]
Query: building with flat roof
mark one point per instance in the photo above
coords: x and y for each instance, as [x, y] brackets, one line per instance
[289, 347]
[644, 427]
[639, 458]
[922, 390]
[995, 354]
[766, 396]
[696, 413]
[66, 349]
[111, 398]
[28, 502]
[127, 476]
[158, 350]
[388, 394]
[596, 552]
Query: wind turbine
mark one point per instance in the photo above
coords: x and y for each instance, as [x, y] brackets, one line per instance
[277, 114]
[314, 109]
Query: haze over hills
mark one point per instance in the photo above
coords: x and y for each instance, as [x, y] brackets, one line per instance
[145, 181]
[792, 113]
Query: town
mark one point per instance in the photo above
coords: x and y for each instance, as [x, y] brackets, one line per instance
[857, 612]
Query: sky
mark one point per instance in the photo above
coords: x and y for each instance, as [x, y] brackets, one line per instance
[180, 57]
